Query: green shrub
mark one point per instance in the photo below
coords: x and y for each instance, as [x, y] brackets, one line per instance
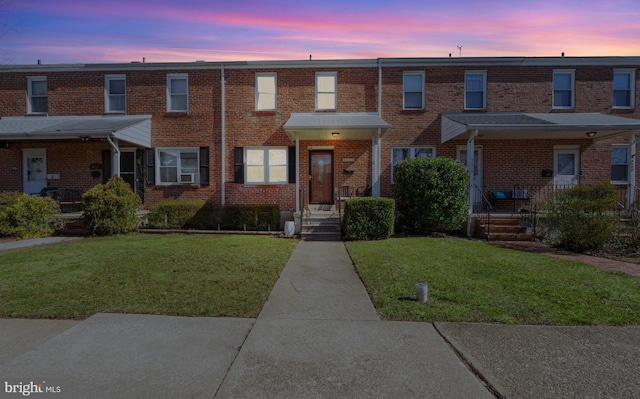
[580, 217]
[368, 218]
[431, 194]
[182, 214]
[110, 208]
[26, 216]
[255, 217]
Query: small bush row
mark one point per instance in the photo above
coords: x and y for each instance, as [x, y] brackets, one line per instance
[183, 214]
[25, 216]
[368, 218]
[250, 217]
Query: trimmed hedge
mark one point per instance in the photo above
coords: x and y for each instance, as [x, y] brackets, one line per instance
[182, 214]
[431, 194]
[110, 208]
[368, 218]
[26, 216]
[253, 217]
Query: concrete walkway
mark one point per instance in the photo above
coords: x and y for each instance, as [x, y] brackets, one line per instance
[318, 336]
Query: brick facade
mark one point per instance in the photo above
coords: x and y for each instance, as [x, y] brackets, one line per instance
[511, 86]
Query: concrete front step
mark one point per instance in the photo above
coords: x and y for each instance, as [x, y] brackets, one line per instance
[510, 237]
[321, 226]
[503, 229]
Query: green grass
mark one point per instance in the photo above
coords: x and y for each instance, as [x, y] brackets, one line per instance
[187, 275]
[478, 282]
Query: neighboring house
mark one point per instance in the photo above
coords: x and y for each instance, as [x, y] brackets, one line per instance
[292, 132]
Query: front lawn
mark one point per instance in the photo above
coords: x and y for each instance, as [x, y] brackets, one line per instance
[479, 282]
[187, 275]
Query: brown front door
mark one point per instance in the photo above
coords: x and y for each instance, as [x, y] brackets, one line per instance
[321, 184]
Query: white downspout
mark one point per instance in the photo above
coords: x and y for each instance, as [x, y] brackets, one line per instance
[471, 161]
[222, 137]
[375, 149]
[632, 170]
[115, 167]
[297, 173]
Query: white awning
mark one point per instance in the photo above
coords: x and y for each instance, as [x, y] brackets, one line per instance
[134, 129]
[517, 125]
[320, 126]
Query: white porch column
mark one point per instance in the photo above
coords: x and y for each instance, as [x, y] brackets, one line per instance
[375, 165]
[632, 170]
[471, 161]
[115, 161]
[297, 173]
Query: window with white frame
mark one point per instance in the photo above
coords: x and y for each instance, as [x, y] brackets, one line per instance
[401, 153]
[619, 164]
[413, 90]
[475, 84]
[115, 94]
[266, 85]
[266, 165]
[563, 89]
[177, 92]
[326, 90]
[177, 165]
[37, 93]
[623, 88]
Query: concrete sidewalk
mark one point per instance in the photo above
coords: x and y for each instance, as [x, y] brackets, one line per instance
[317, 336]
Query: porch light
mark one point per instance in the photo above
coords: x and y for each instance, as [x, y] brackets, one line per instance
[84, 138]
[335, 134]
[591, 134]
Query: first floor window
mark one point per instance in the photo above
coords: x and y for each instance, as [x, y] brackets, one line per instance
[619, 164]
[402, 153]
[266, 165]
[178, 166]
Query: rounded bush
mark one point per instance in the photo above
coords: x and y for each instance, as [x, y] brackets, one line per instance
[110, 208]
[431, 194]
[26, 216]
[368, 218]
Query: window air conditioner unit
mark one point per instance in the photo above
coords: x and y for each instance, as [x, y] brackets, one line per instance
[187, 178]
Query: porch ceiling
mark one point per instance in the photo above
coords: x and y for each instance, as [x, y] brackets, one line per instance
[517, 125]
[319, 126]
[134, 129]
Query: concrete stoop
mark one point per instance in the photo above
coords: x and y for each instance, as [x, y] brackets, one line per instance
[321, 225]
[502, 229]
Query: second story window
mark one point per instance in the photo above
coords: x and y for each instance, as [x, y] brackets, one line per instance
[326, 91]
[623, 88]
[266, 92]
[475, 84]
[37, 93]
[177, 92]
[563, 86]
[115, 95]
[413, 90]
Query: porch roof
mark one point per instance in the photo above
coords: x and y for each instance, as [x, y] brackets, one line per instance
[319, 126]
[134, 129]
[518, 125]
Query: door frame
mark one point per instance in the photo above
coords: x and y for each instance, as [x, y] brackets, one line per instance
[564, 149]
[135, 166]
[331, 152]
[475, 197]
[32, 152]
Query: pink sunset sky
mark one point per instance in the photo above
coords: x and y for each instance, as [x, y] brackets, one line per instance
[96, 31]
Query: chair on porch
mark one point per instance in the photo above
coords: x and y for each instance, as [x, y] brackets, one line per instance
[344, 193]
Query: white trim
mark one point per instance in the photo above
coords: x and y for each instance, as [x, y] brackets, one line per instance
[107, 93]
[178, 166]
[422, 90]
[33, 153]
[484, 89]
[572, 74]
[273, 75]
[622, 146]
[266, 165]
[30, 80]
[632, 87]
[334, 75]
[574, 149]
[177, 76]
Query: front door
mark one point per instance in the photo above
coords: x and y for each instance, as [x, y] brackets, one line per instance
[476, 183]
[128, 167]
[566, 167]
[34, 167]
[321, 184]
